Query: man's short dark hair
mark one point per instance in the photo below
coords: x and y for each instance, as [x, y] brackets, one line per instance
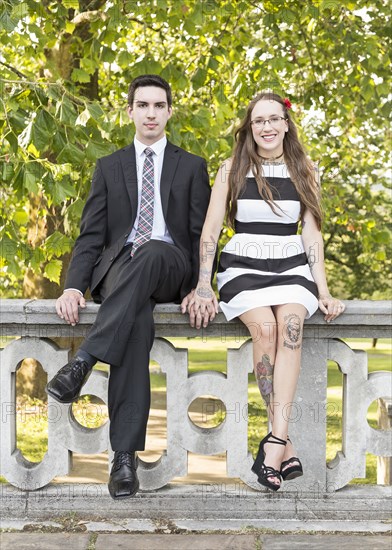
[149, 80]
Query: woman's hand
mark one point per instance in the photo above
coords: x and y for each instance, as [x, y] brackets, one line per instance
[332, 307]
[203, 306]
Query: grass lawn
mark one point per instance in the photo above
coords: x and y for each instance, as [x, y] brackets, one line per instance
[211, 355]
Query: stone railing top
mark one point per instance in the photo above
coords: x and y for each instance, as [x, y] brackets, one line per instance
[362, 318]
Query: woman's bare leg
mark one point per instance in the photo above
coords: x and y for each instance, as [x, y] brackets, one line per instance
[290, 318]
[261, 324]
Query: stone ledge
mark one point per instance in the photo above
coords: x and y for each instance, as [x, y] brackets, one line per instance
[147, 526]
[220, 502]
[362, 318]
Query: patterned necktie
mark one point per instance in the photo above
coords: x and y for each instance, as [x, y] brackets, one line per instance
[146, 214]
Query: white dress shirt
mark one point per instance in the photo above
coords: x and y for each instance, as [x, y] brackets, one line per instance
[159, 229]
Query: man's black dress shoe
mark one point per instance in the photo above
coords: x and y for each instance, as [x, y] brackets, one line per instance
[66, 385]
[123, 481]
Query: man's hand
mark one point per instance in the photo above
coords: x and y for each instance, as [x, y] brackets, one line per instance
[201, 305]
[67, 306]
[187, 307]
[186, 300]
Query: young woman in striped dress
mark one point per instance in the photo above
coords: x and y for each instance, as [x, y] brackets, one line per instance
[269, 276]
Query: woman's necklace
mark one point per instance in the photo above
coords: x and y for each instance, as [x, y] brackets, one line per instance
[272, 160]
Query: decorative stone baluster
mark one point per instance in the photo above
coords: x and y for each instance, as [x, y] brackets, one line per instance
[32, 320]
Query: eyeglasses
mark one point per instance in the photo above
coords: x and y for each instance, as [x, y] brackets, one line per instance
[274, 121]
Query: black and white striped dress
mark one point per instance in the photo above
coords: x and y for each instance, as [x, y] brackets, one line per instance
[265, 263]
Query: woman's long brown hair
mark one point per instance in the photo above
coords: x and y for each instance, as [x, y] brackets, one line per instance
[245, 157]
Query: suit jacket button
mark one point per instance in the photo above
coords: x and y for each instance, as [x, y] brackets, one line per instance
[111, 259]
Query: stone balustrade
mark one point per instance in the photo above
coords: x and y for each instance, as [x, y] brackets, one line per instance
[35, 323]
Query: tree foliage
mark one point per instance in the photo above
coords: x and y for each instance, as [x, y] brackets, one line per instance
[66, 67]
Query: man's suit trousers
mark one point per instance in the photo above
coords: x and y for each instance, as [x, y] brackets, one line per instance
[123, 333]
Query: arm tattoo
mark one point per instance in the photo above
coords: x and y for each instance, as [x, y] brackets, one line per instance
[204, 292]
[204, 275]
[264, 376]
[311, 260]
[312, 255]
[292, 331]
[207, 248]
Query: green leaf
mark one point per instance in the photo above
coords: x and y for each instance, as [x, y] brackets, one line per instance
[43, 130]
[13, 141]
[288, 16]
[8, 171]
[38, 256]
[30, 180]
[383, 237]
[108, 54]
[7, 23]
[54, 92]
[52, 271]
[75, 209]
[66, 111]
[383, 89]
[213, 64]
[199, 77]
[39, 131]
[20, 11]
[380, 255]
[57, 244]
[198, 13]
[88, 65]
[71, 154]
[59, 141]
[79, 75]
[69, 27]
[58, 191]
[21, 217]
[97, 150]
[125, 59]
[8, 249]
[95, 110]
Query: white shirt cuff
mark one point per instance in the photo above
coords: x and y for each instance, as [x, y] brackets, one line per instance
[77, 290]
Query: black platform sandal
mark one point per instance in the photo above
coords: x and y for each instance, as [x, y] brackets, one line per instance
[262, 470]
[293, 471]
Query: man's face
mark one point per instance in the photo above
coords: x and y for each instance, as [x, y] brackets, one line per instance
[150, 113]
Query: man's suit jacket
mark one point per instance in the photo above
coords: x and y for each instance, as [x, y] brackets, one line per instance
[111, 208]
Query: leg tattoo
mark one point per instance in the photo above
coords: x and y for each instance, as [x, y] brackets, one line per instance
[264, 377]
[292, 331]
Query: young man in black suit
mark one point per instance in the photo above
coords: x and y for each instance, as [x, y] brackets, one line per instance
[138, 245]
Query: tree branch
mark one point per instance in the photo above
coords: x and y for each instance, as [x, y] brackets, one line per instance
[305, 39]
[25, 80]
[14, 70]
[136, 20]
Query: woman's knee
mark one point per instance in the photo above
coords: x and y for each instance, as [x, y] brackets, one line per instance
[263, 335]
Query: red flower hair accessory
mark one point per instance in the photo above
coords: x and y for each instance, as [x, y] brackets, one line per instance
[286, 101]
